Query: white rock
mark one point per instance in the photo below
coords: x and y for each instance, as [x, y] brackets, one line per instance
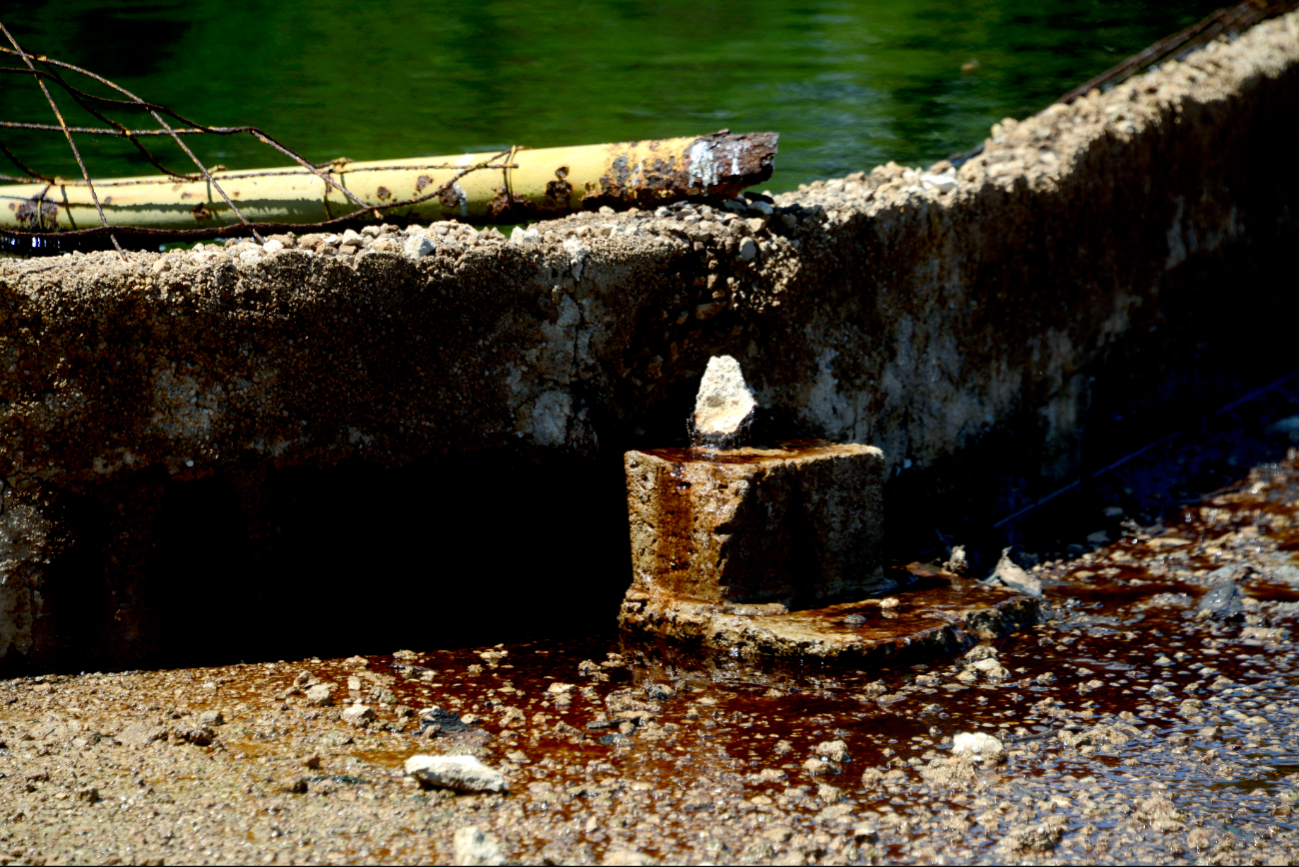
[761, 207]
[577, 255]
[471, 847]
[977, 744]
[273, 246]
[748, 250]
[351, 236]
[358, 715]
[725, 405]
[992, 668]
[417, 246]
[520, 235]
[942, 183]
[462, 773]
[250, 257]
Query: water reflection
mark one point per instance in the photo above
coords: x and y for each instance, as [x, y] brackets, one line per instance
[848, 84]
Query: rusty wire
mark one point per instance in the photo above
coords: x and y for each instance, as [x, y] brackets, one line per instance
[97, 106]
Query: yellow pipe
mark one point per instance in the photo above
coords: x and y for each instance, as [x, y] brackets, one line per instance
[507, 187]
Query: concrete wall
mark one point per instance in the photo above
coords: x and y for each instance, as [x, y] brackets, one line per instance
[929, 317]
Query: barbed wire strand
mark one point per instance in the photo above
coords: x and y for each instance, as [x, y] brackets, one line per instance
[71, 142]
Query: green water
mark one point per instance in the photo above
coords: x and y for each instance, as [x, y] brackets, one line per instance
[848, 85]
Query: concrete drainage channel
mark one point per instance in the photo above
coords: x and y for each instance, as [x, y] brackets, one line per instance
[230, 452]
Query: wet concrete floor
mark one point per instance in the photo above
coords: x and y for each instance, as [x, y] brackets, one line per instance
[1137, 726]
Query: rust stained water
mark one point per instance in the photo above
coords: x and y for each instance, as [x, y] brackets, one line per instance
[605, 750]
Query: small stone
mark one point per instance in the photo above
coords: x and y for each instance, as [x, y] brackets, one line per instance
[296, 786]
[437, 720]
[211, 718]
[854, 620]
[979, 744]
[956, 771]
[709, 310]
[829, 794]
[250, 257]
[418, 246]
[559, 688]
[520, 235]
[352, 238]
[957, 564]
[748, 250]
[320, 695]
[1038, 837]
[992, 668]
[311, 762]
[273, 246]
[818, 767]
[471, 847]
[358, 715]
[659, 692]
[1010, 575]
[942, 183]
[865, 834]
[89, 794]
[1222, 602]
[461, 773]
[724, 406]
[835, 751]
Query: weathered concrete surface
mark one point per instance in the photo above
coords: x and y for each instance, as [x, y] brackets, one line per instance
[925, 318]
[799, 525]
[919, 623]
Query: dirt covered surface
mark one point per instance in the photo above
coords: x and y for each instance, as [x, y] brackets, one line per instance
[1150, 717]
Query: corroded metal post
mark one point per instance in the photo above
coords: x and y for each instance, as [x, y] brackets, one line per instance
[509, 186]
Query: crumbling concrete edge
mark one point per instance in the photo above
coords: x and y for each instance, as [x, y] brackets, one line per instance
[719, 631]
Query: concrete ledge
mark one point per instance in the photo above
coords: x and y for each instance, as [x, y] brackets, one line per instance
[924, 316]
[920, 623]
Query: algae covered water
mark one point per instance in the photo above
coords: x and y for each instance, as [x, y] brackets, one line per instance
[849, 85]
